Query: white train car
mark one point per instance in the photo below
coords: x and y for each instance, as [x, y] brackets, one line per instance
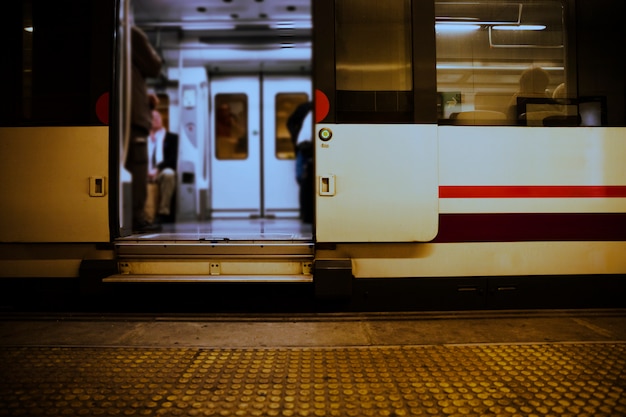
[465, 153]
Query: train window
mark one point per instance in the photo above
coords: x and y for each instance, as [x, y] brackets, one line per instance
[491, 55]
[59, 62]
[286, 104]
[373, 60]
[231, 122]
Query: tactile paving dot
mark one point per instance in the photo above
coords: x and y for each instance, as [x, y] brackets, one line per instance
[458, 381]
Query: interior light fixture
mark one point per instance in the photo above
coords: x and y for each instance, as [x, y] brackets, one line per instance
[29, 29]
[519, 27]
[455, 27]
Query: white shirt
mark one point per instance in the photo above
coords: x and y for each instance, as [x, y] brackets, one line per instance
[156, 148]
[307, 128]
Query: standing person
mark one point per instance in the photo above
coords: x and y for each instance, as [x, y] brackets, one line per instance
[296, 119]
[163, 156]
[145, 63]
[300, 127]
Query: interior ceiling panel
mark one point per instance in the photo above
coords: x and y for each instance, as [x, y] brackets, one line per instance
[238, 35]
[217, 14]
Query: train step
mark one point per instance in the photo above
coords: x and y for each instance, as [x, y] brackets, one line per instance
[304, 278]
[214, 261]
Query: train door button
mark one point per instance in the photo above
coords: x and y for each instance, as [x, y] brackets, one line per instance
[325, 134]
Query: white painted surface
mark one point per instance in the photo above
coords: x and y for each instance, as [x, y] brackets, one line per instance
[385, 183]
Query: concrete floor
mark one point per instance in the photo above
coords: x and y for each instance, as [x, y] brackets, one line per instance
[506, 364]
[313, 330]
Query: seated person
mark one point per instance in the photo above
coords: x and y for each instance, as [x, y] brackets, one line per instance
[162, 160]
[533, 83]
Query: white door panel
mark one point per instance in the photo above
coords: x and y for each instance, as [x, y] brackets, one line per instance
[376, 183]
[280, 188]
[236, 186]
[261, 182]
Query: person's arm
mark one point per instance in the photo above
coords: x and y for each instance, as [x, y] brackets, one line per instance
[144, 56]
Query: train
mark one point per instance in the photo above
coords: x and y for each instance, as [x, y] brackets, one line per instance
[462, 150]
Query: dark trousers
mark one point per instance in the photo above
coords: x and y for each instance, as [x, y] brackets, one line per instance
[307, 203]
[137, 165]
[305, 176]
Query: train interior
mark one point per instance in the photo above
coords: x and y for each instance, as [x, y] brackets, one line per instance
[232, 74]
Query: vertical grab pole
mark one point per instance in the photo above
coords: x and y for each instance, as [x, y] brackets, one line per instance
[123, 66]
[125, 85]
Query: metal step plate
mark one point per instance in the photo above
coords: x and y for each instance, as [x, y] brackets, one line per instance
[209, 278]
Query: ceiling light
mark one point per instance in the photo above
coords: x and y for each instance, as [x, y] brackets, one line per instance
[455, 28]
[519, 27]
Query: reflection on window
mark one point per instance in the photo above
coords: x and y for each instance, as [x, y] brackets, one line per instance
[373, 45]
[231, 121]
[45, 78]
[27, 61]
[508, 53]
[286, 104]
[374, 73]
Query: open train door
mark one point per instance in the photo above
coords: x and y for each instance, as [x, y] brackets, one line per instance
[375, 133]
[376, 122]
[54, 135]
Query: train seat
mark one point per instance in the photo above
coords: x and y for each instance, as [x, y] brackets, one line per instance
[550, 118]
[491, 101]
[480, 118]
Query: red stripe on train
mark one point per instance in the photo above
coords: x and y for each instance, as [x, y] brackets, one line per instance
[525, 227]
[527, 191]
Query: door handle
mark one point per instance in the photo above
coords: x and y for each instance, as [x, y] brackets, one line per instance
[327, 185]
[97, 186]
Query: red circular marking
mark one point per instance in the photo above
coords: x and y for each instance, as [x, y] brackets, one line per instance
[322, 106]
[102, 108]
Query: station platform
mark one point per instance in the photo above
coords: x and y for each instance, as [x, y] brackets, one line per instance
[479, 363]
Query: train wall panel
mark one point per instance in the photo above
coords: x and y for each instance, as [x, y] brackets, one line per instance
[509, 156]
[482, 259]
[49, 260]
[49, 189]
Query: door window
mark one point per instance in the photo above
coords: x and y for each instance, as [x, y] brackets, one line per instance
[57, 60]
[286, 104]
[231, 121]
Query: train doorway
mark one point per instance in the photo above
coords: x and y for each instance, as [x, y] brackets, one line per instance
[251, 63]
[232, 74]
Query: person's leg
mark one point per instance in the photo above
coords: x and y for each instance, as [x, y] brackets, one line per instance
[307, 187]
[137, 164]
[167, 185]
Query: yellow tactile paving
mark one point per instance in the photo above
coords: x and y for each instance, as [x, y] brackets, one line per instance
[470, 380]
